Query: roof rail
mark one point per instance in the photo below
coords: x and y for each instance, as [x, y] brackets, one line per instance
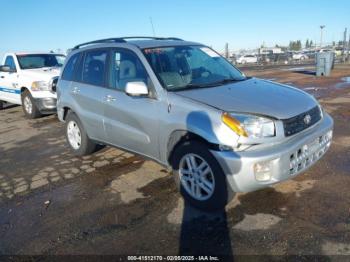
[107, 40]
[123, 40]
[152, 37]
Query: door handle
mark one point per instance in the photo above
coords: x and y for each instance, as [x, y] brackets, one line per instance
[2, 76]
[75, 90]
[109, 98]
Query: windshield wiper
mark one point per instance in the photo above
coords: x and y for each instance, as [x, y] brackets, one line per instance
[228, 80]
[218, 83]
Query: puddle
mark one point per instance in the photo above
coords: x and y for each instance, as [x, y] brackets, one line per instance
[346, 79]
[344, 84]
[294, 69]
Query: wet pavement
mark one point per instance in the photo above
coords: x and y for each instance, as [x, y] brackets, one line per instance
[116, 203]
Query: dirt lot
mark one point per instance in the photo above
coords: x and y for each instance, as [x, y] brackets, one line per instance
[116, 203]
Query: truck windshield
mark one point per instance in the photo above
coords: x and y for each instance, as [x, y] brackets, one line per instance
[31, 61]
[188, 67]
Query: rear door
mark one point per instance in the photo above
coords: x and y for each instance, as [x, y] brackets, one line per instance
[9, 89]
[131, 122]
[88, 90]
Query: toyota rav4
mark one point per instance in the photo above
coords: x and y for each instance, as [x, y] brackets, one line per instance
[183, 105]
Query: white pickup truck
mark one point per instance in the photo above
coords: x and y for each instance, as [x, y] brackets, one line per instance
[29, 79]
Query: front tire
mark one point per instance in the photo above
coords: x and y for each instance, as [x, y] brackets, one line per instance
[29, 108]
[199, 177]
[77, 138]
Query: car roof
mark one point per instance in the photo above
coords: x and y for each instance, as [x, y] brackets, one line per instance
[36, 53]
[140, 42]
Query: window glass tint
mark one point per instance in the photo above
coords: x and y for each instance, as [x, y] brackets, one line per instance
[94, 67]
[68, 72]
[126, 67]
[10, 62]
[40, 60]
[182, 67]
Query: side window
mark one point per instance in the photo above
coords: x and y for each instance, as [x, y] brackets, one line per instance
[9, 61]
[94, 67]
[126, 67]
[68, 73]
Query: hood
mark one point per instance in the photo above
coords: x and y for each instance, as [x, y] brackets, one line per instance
[42, 74]
[255, 96]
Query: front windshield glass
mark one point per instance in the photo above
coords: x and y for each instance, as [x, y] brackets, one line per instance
[187, 67]
[40, 60]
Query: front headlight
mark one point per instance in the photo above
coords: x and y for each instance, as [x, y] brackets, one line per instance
[249, 125]
[41, 86]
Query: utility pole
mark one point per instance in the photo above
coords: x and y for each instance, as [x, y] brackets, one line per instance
[226, 51]
[321, 26]
[347, 49]
[344, 53]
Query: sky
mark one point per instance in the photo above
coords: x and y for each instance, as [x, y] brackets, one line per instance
[43, 25]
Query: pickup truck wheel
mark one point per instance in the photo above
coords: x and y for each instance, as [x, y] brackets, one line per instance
[199, 177]
[77, 138]
[29, 108]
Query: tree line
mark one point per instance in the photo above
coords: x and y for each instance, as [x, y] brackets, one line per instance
[297, 45]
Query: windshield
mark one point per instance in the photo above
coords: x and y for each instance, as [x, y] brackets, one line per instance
[40, 60]
[187, 67]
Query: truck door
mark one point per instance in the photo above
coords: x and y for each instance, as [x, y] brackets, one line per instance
[9, 89]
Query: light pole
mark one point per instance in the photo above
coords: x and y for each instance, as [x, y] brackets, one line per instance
[321, 26]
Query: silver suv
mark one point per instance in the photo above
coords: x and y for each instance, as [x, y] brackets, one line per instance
[183, 105]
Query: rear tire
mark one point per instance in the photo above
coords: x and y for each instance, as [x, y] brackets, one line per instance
[28, 105]
[77, 138]
[205, 187]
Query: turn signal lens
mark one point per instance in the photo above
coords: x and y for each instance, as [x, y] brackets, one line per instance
[234, 124]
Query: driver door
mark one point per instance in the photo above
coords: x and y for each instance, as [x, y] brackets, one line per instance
[130, 122]
[9, 89]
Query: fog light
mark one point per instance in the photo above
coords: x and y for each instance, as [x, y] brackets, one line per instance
[262, 171]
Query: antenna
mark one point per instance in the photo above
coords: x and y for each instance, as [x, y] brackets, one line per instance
[151, 21]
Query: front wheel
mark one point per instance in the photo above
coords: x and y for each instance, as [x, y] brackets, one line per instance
[199, 177]
[29, 108]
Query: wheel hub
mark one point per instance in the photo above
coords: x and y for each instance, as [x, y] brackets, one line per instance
[196, 177]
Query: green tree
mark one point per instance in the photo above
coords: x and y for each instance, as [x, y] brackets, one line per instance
[307, 44]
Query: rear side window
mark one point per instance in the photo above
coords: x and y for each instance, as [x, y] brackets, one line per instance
[10, 62]
[68, 73]
[94, 67]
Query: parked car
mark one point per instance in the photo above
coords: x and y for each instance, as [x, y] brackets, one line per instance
[183, 105]
[310, 54]
[299, 56]
[29, 79]
[283, 58]
[247, 59]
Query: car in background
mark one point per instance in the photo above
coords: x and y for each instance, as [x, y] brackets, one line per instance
[29, 79]
[247, 59]
[299, 56]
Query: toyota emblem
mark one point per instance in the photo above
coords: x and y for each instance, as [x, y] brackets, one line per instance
[307, 119]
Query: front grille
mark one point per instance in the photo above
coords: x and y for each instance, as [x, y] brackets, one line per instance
[299, 123]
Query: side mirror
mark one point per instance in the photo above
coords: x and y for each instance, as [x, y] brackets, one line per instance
[6, 69]
[136, 89]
